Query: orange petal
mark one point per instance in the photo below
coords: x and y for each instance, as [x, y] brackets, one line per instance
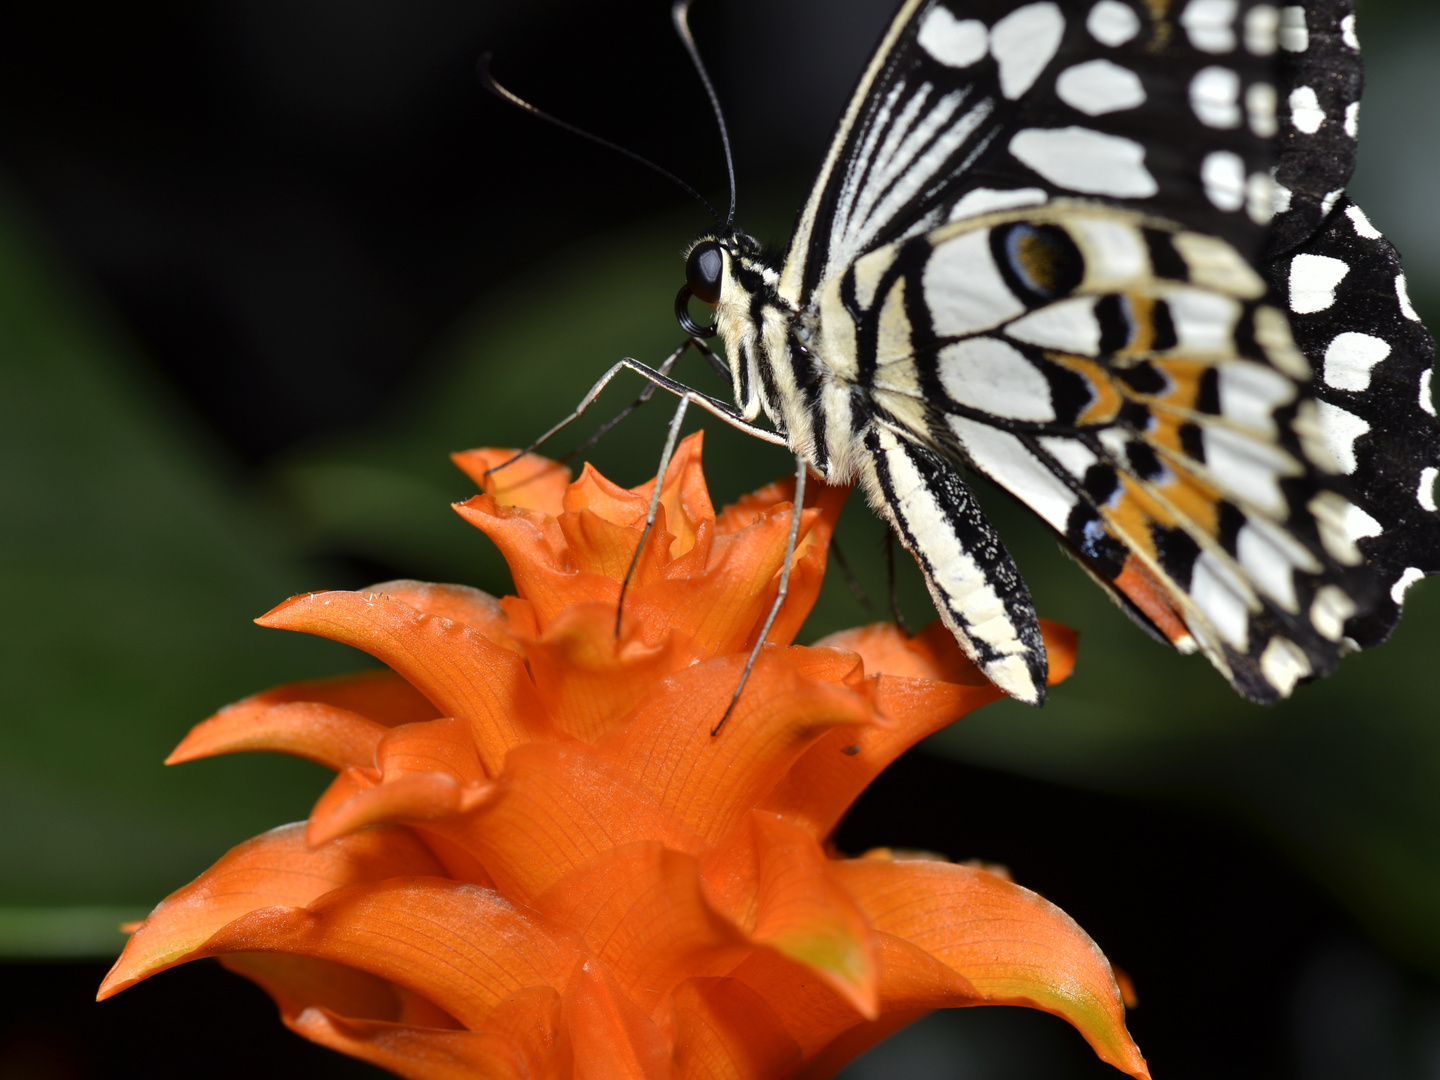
[531, 483]
[587, 678]
[933, 653]
[460, 670]
[684, 495]
[819, 788]
[378, 694]
[421, 796]
[539, 557]
[806, 915]
[815, 1014]
[641, 910]
[708, 783]
[415, 1052]
[558, 807]
[602, 547]
[276, 867]
[329, 736]
[377, 1021]
[434, 746]
[1015, 947]
[464, 948]
[811, 554]
[726, 1031]
[854, 1042]
[610, 1036]
[723, 609]
[822, 785]
[297, 983]
[458, 603]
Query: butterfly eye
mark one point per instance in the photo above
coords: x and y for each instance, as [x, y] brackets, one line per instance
[703, 270]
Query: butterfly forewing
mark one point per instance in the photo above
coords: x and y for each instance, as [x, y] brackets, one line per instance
[978, 105]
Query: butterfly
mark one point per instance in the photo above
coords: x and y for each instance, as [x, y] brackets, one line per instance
[1100, 253]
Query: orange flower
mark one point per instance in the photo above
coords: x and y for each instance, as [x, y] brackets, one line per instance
[535, 860]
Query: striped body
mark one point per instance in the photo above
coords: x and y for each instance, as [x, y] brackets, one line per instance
[1017, 261]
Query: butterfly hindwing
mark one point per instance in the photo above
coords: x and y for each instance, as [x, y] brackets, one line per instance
[1135, 386]
[976, 588]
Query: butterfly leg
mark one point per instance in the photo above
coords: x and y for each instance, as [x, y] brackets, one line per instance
[790, 543]
[671, 437]
[656, 378]
[977, 590]
[895, 611]
[645, 395]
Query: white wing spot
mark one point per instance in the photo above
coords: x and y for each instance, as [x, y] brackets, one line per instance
[964, 289]
[1305, 111]
[1086, 161]
[1023, 43]
[1312, 282]
[1411, 575]
[1215, 97]
[1425, 492]
[1204, 320]
[1341, 428]
[1331, 198]
[1069, 326]
[1004, 458]
[1210, 24]
[1260, 104]
[953, 42]
[1331, 607]
[1098, 87]
[1222, 598]
[1223, 174]
[1363, 228]
[1352, 119]
[1073, 455]
[1347, 32]
[991, 376]
[1359, 525]
[1262, 25]
[1283, 663]
[1349, 358]
[1402, 293]
[1283, 197]
[1294, 36]
[1248, 468]
[1250, 393]
[1271, 559]
[1112, 23]
[1260, 198]
[1426, 401]
[986, 200]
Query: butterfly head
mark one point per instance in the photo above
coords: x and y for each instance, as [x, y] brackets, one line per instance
[730, 271]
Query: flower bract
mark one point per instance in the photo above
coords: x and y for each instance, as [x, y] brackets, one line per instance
[535, 860]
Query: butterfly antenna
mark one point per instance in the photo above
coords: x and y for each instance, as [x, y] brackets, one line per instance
[680, 14]
[487, 80]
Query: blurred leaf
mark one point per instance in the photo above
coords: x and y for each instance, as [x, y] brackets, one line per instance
[132, 571]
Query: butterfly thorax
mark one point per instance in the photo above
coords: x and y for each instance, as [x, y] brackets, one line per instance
[779, 363]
